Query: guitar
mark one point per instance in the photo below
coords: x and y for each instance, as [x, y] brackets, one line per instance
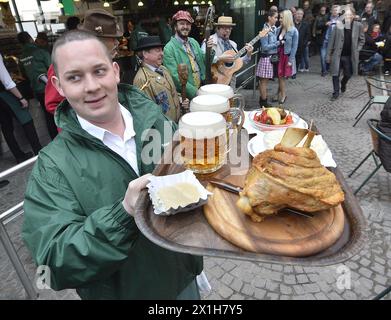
[223, 71]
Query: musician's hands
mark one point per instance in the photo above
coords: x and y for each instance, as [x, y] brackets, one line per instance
[210, 42]
[249, 49]
[226, 58]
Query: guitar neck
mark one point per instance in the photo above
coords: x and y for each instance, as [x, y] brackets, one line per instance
[243, 50]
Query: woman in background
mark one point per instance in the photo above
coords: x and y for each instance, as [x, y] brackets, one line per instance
[288, 37]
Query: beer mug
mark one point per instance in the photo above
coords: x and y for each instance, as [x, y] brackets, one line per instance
[225, 91]
[203, 141]
[220, 104]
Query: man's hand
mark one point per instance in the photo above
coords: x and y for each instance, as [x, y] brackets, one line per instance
[249, 49]
[328, 60]
[226, 58]
[24, 103]
[210, 42]
[133, 191]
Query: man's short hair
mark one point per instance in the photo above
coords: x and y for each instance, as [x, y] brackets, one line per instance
[24, 37]
[75, 35]
[299, 10]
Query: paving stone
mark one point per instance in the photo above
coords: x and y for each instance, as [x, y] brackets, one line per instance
[321, 296]
[378, 268]
[352, 265]
[334, 296]
[224, 291]
[237, 296]
[216, 271]
[272, 296]
[349, 295]
[227, 279]
[236, 284]
[379, 289]
[228, 265]
[290, 279]
[365, 272]
[298, 269]
[299, 290]
[313, 277]
[311, 288]
[277, 267]
[302, 278]
[259, 294]
[271, 285]
[248, 290]
[288, 269]
[285, 289]
[382, 280]
[259, 282]
[285, 297]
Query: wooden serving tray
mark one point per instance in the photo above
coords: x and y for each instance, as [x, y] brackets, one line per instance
[190, 232]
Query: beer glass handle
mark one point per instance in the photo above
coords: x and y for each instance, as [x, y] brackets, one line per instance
[242, 115]
[239, 97]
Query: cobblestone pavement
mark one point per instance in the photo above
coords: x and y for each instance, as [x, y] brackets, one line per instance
[370, 270]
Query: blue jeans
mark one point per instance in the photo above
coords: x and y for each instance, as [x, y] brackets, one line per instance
[373, 61]
[305, 59]
[323, 53]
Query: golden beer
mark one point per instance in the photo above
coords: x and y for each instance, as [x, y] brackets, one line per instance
[203, 141]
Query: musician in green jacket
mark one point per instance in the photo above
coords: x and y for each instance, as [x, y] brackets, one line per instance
[184, 49]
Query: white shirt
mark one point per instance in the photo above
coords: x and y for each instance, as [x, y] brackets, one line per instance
[125, 147]
[5, 77]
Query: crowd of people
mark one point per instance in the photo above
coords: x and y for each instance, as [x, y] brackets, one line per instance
[347, 42]
[81, 196]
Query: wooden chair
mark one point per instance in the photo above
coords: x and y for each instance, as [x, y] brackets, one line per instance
[371, 83]
[376, 134]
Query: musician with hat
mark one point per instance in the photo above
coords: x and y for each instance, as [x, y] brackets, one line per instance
[155, 80]
[222, 43]
[184, 49]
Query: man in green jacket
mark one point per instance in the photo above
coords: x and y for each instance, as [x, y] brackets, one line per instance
[184, 49]
[79, 204]
[34, 62]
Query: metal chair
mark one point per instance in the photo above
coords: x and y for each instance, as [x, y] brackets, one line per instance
[376, 134]
[373, 99]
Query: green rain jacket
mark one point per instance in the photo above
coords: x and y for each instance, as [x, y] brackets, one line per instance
[34, 61]
[175, 54]
[75, 222]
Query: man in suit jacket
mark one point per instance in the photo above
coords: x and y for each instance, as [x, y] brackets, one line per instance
[155, 80]
[346, 41]
[302, 59]
[184, 49]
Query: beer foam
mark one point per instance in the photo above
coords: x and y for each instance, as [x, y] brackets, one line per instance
[216, 88]
[202, 125]
[210, 102]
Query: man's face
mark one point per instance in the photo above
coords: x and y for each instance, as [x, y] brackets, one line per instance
[306, 5]
[323, 11]
[368, 8]
[88, 80]
[293, 10]
[154, 56]
[224, 32]
[183, 28]
[299, 16]
[112, 45]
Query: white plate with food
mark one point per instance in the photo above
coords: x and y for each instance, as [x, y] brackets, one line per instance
[267, 140]
[268, 119]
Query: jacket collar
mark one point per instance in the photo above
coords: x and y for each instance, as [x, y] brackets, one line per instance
[129, 97]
